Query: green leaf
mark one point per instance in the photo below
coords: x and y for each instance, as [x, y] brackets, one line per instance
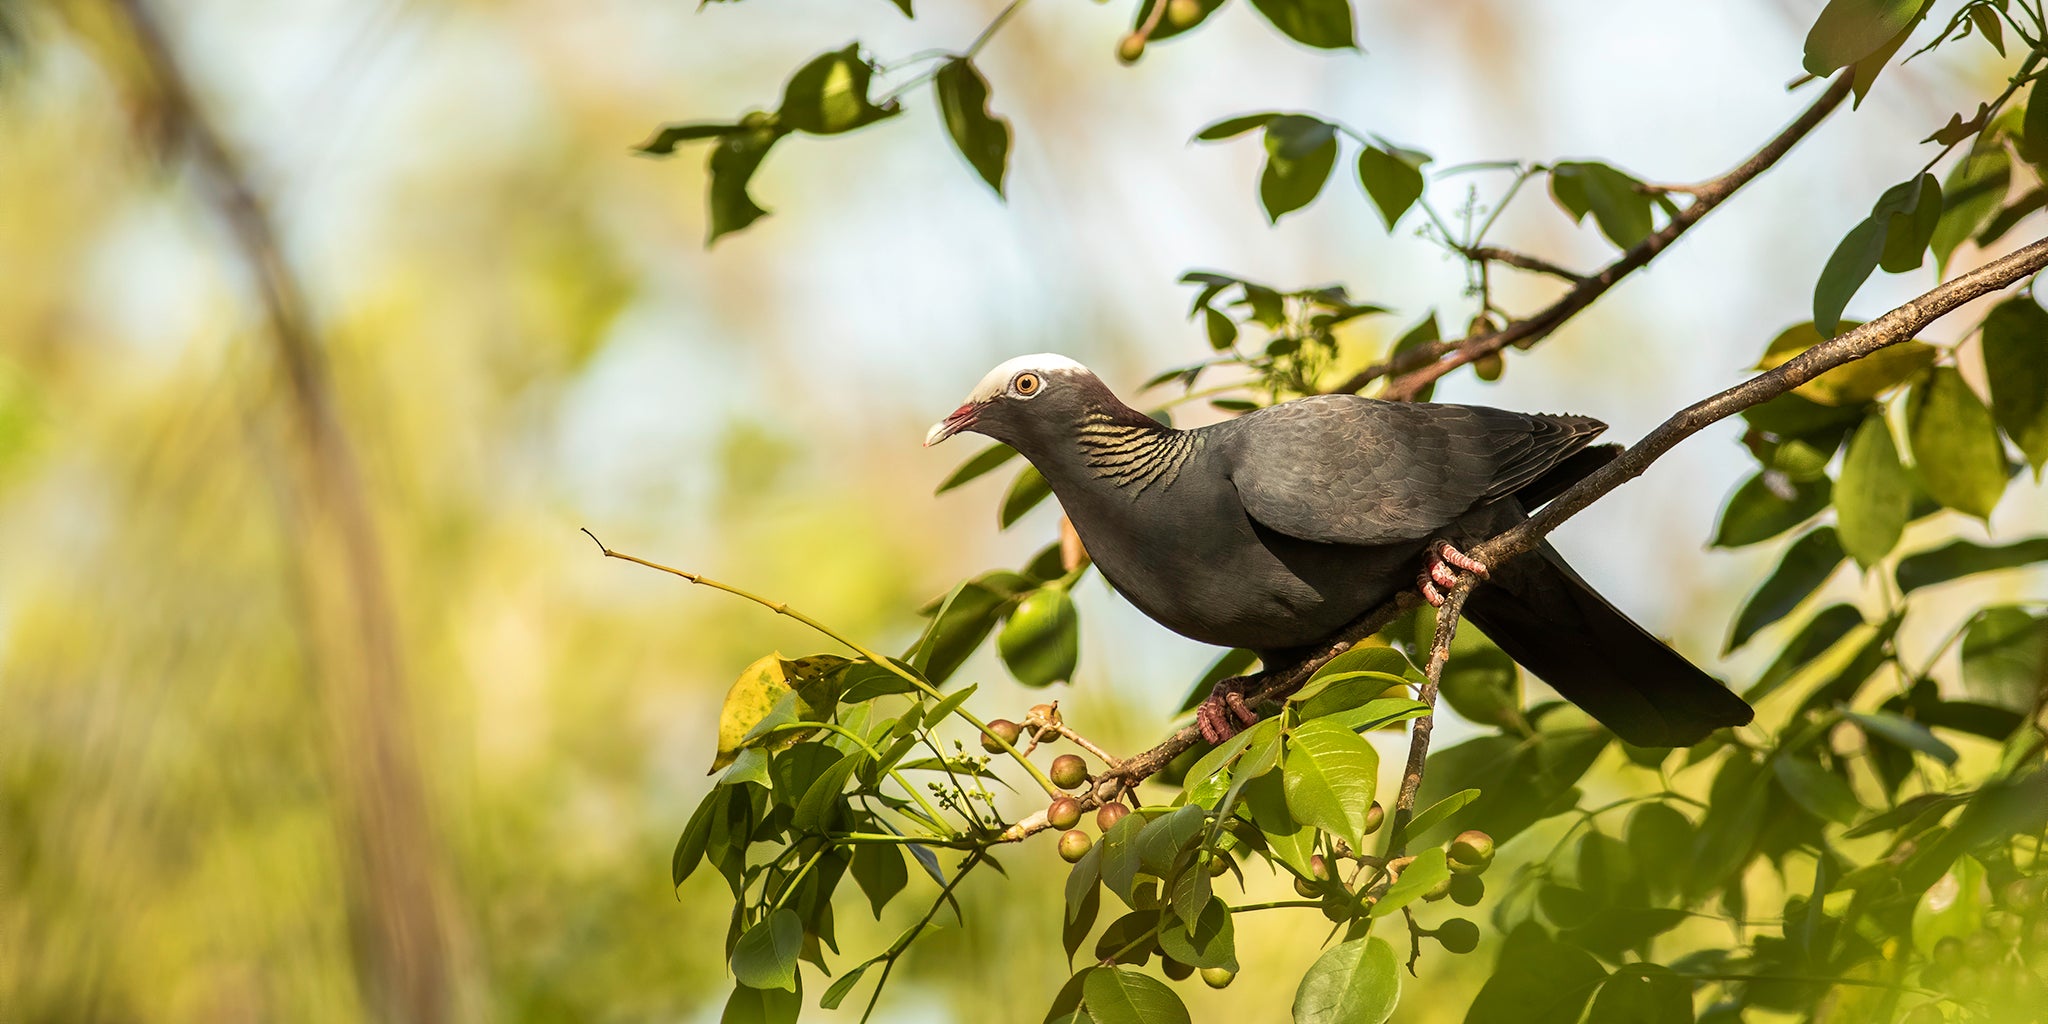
[762, 1006]
[1025, 493]
[1211, 942]
[1807, 564]
[1910, 226]
[1392, 177]
[1221, 329]
[1329, 776]
[819, 809]
[1441, 811]
[1124, 996]
[842, 986]
[1643, 994]
[1537, 980]
[1874, 495]
[670, 136]
[979, 135]
[1849, 30]
[1178, 18]
[949, 704]
[878, 869]
[1119, 848]
[1613, 198]
[1355, 982]
[1953, 906]
[733, 162]
[765, 956]
[960, 625]
[1823, 631]
[829, 95]
[1763, 508]
[987, 459]
[1325, 24]
[1973, 193]
[1956, 450]
[1824, 794]
[1427, 871]
[1163, 838]
[1846, 270]
[1082, 879]
[1042, 641]
[2005, 657]
[690, 845]
[1231, 127]
[1963, 558]
[2016, 366]
[1737, 804]
[1661, 838]
[761, 687]
[1287, 841]
[2033, 137]
[1903, 732]
[1300, 151]
[1481, 683]
[1855, 383]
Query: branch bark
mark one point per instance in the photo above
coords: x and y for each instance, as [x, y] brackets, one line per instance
[1417, 368]
[396, 902]
[1901, 324]
[1419, 733]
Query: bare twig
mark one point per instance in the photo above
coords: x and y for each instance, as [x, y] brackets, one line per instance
[1899, 325]
[1415, 369]
[1521, 261]
[1419, 732]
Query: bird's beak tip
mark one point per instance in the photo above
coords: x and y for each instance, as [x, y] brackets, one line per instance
[939, 432]
[960, 420]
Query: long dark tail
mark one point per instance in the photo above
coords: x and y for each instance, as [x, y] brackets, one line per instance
[1544, 616]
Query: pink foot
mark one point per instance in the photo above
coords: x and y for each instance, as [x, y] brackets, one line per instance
[1226, 700]
[1440, 570]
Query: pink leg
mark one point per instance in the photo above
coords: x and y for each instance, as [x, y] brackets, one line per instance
[1215, 714]
[1440, 570]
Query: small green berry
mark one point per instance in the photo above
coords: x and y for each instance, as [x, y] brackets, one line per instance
[1218, 977]
[1074, 845]
[1068, 771]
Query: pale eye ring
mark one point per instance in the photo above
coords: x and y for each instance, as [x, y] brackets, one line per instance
[1026, 384]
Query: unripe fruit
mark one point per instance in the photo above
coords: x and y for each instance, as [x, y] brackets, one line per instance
[1458, 935]
[1074, 845]
[1467, 890]
[1005, 728]
[1129, 50]
[1319, 867]
[1307, 889]
[1489, 366]
[1218, 977]
[1182, 13]
[1064, 813]
[2019, 896]
[1219, 865]
[1439, 890]
[1068, 771]
[1948, 953]
[1471, 852]
[1175, 970]
[1375, 816]
[1109, 814]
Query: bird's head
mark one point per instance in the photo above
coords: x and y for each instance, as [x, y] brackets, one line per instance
[1025, 397]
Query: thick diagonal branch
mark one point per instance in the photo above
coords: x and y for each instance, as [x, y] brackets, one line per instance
[1415, 369]
[1899, 325]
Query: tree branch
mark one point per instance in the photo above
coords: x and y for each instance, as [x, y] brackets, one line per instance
[1417, 368]
[1419, 733]
[1899, 325]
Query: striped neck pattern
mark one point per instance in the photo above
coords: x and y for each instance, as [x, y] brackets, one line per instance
[1126, 453]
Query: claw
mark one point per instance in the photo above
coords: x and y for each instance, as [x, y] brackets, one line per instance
[1224, 703]
[1440, 570]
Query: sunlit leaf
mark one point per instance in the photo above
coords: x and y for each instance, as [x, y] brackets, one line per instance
[1956, 451]
[1177, 18]
[1427, 871]
[1211, 942]
[1024, 494]
[1355, 982]
[829, 95]
[1974, 191]
[1124, 996]
[1845, 272]
[765, 956]
[1615, 199]
[1953, 907]
[759, 688]
[1849, 30]
[987, 459]
[1329, 774]
[1874, 494]
[1441, 811]
[1910, 226]
[2005, 658]
[1857, 382]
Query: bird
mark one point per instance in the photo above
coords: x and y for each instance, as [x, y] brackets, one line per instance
[1273, 530]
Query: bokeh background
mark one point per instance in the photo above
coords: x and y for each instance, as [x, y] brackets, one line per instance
[286, 738]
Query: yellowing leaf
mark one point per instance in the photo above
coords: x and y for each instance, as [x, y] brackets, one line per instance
[1854, 383]
[764, 684]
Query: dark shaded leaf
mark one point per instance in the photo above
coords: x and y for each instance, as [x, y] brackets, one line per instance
[761, 1006]
[690, 845]
[1355, 982]
[1210, 943]
[964, 619]
[1963, 558]
[1956, 451]
[1325, 24]
[1024, 495]
[879, 871]
[1727, 836]
[1643, 994]
[2015, 348]
[1123, 996]
[733, 162]
[1824, 794]
[1807, 564]
[1613, 198]
[2033, 137]
[987, 459]
[1846, 270]
[1661, 837]
[1392, 177]
[1763, 508]
[1231, 127]
[670, 136]
[821, 806]
[829, 95]
[1903, 732]
[1973, 193]
[766, 954]
[1537, 980]
[1300, 151]
[979, 135]
[1177, 18]
[1910, 226]
[1823, 631]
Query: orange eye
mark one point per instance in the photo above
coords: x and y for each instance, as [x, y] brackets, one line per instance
[1026, 384]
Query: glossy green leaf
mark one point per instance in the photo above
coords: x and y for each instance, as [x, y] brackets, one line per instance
[819, 810]
[1119, 848]
[1874, 494]
[1329, 775]
[1963, 558]
[1287, 840]
[1427, 871]
[983, 461]
[1807, 564]
[1042, 641]
[1300, 151]
[1537, 980]
[963, 620]
[1953, 907]
[1355, 982]
[1392, 177]
[1956, 450]
[2016, 366]
[842, 986]
[765, 956]
[829, 95]
[1441, 811]
[690, 845]
[1851, 265]
[1849, 30]
[762, 1006]
[979, 135]
[1973, 193]
[733, 162]
[1325, 24]
[1124, 996]
[1764, 507]
[1212, 942]
[1024, 494]
[2005, 658]
[1615, 200]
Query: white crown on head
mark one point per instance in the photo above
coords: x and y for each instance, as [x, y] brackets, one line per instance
[1042, 362]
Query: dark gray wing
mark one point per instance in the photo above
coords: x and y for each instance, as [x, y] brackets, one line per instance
[1340, 469]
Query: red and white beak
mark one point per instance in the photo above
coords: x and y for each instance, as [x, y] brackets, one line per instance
[961, 419]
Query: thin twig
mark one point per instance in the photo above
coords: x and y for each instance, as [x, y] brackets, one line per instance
[1521, 261]
[1419, 732]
